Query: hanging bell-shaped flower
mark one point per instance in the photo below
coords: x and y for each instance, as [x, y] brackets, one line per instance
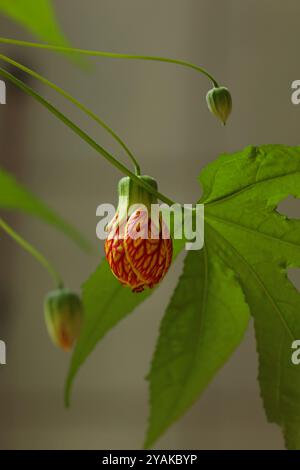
[138, 249]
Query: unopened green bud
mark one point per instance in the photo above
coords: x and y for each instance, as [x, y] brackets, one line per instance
[64, 317]
[219, 102]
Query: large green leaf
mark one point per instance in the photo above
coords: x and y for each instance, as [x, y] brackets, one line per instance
[245, 235]
[241, 193]
[204, 323]
[13, 196]
[37, 16]
[106, 302]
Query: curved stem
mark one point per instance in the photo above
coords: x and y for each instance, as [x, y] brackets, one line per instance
[113, 55]
[76, 103]
[32, 251]
[110, 158]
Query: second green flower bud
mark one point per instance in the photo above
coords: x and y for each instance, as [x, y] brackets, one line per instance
[64, 317]
[219, 102]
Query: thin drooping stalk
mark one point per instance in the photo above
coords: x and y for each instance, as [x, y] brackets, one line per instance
[109, 157]
[76, 103]
[32, 251]
[113, 55]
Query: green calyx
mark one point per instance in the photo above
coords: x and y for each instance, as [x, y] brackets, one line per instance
[219, 102]
[131, 194]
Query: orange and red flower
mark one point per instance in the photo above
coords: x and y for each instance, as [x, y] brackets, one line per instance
[136, 258]
[138, 249]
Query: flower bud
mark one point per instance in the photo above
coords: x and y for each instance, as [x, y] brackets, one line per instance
[64, 317]
[219, 102]
[138, 249]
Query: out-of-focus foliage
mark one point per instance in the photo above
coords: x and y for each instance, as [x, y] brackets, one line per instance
[37, 16]
[14, 196]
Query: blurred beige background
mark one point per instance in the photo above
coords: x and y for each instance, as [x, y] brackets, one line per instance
[252, 47]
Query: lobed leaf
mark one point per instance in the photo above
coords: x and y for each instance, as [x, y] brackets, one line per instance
[246, 236]
[241, 202]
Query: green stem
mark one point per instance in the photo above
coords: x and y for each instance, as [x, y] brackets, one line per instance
[110, 158]
[76, 103]
[110, 54]
[33, 251]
